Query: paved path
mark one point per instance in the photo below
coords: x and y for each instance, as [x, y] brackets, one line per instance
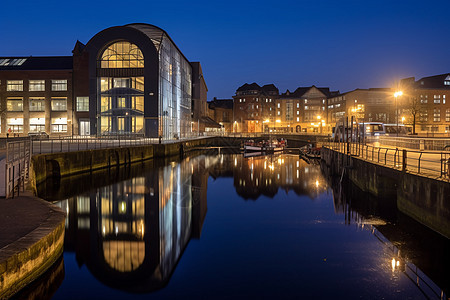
[21, 215]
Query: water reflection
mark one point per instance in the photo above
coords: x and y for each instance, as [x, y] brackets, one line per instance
[417, 252]
[266, 175]
[131, 232]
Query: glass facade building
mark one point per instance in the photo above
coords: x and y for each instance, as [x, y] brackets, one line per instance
[140, 83]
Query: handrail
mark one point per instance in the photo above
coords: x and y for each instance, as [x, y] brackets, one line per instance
[428, 163]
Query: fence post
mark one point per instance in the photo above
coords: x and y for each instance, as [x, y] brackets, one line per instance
[404, 160]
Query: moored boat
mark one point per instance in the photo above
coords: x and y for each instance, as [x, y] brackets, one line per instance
[264, 146]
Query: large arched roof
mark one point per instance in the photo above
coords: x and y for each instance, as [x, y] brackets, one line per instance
[155, 34]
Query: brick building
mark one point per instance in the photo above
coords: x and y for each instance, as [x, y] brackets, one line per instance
[303, 110]
[253, 105]
[36, 95]
[428, 100]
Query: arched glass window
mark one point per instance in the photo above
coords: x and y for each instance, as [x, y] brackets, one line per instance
[122, 55]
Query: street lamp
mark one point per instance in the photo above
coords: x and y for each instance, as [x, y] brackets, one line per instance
[396, 95]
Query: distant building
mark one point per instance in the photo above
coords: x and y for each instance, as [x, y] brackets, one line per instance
[129, 79]
[253, 105]
[303, 110]
[221, 111]
[427, 99]
[366, 105]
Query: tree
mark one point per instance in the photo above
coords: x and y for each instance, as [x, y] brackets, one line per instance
[413, 107]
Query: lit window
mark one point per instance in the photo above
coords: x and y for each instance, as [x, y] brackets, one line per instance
[37, 124]
[298, 105]
[122, 55]
[279, 112]
[306, 107]
[37, 104]
[306, 100]
[14, 104]
[437, 99]
[14, 125]
[278, 105]
[37, 85]
[298, 119]
[447, 115]
[59, 104]
[437, 115]
[14, 85]
[59, 85]
[59, 125]
[82, 103]
[298, 112]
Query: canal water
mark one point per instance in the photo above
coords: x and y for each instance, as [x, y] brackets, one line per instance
[226, 226]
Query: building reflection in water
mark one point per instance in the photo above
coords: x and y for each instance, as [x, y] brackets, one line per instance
[131, 234]
[265, 175]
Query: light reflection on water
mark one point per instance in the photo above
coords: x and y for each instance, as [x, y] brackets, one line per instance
[300, 238]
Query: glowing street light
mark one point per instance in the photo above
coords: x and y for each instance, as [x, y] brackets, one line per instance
[396, 95]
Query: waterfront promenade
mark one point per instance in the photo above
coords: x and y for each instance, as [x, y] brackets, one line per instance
[31, 240]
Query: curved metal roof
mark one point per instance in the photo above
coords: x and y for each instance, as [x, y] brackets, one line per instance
[155, 34]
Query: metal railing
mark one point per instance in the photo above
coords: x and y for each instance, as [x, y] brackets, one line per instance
[427, 163]
[16, 166]
[411, 142]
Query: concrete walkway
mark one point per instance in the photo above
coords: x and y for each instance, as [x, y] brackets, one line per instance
[31, 240]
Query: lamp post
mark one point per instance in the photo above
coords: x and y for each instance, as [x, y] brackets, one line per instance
[396, 95]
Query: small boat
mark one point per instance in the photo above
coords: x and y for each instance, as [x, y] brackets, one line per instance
[310, 152]
[269, 146]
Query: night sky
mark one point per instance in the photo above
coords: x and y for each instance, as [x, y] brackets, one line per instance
[338, 44]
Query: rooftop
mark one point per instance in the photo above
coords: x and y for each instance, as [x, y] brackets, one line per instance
[36, 63]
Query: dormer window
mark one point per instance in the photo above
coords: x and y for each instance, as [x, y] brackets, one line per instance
[447, 80]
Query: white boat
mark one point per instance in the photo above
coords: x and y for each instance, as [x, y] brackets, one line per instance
[264, 146]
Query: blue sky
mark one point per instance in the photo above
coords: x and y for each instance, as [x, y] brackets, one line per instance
[339, 44]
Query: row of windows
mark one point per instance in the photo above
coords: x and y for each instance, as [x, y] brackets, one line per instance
[36, 85]
[38, 104]
[15, 125]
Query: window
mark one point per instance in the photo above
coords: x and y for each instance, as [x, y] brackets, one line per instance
[298, 119]
[437, 99]
[82, 103]
[14, 85]
[37, 104]
[59, 104]
[436, 115]
[279, 112]
[37, 124]
[447, 115]
[423, 99]
[423, 116]
[278, 105]
[59, 85]
[298, 105]
[122, 55]
[298, 112]
[12, 61]
[121, 103]
[59, 125]
[37, 85]
[443, 99]
[306, 100]
[306, 107]
[14, 125]
[14, 104]
[447, 80]
[289, 111]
